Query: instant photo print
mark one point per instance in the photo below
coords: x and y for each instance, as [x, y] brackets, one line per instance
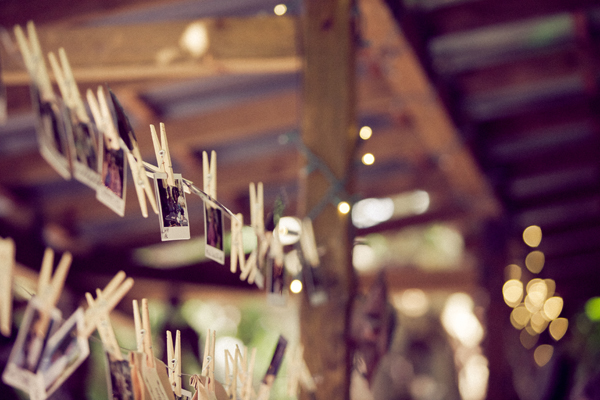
[24, 360]
[213, 229]
[85, 148]
[118, 375]
[65, 351]
[276, 289]
[173, 210]
[111, 191]
[51, 133]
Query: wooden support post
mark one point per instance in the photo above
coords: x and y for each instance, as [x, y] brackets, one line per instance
[329, 132]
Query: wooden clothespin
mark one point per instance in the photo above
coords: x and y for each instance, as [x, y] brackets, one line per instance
[308, 243]
[208, 363]
[112, 294]
[147, 336]
[237, 244]
[103, 118]
[34, 60]
[174, 362]
[67, 85]
[7, 266]
[49, 290]
[231, 374]
[257, 213]
[105, 329]
[142, 185]
[163, 157]
[209, 173]
[298, 373]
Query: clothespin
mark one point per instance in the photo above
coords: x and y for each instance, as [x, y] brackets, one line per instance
[298, 373]
[34, 60]
[134, 156]
[105, 329]
[103, 118]
[209, 173]
[137, 323]
[49, 290]
[174, 362]
[308, 243]
[147, 338]
[112, 294]
[257, 213]
[231, 374]
[140, 179]
[163, 157]
[67, 85]
[208, 364]
[7, 265]
[237, 243]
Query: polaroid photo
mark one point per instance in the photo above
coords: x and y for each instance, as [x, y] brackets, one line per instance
[312, 280]
[276, 362]
[65, 351]
[51, 133]
[213, 233]
[173, 210]
[276, 290]
[26, 354]
[119, 380]
[113, 178]
[84, 145]
[185, 395]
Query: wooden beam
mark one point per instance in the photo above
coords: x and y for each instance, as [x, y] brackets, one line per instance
[260, 44]
[423, 107]
[329, 131]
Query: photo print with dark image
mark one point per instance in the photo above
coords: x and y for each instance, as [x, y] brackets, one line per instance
[85, 152]
[26, 354]
[119, 380]
[111, 191]
[51, 133]
[65, 351]
[213, 229]
[173, 211]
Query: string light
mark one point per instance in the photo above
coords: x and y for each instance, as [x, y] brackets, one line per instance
[280, 9]
[296, 286]
[368, 159]
[344, 207]
[365, 132]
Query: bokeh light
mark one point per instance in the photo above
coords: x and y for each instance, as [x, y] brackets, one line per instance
[344, 207]
[365, 132]
[296, 286]
[532, 236]
[280, 9]
[558, 328]
[543, 354]
[535, 261]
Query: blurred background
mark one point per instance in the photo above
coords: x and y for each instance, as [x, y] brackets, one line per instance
[475, 181]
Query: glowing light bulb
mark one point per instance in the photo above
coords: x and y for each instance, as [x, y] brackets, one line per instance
[296, 286]
[365, 132]
[368, 159]
[344, 207]
[280, 9]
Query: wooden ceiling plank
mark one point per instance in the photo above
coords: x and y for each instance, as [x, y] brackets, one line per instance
[432, 123]
[154, 50]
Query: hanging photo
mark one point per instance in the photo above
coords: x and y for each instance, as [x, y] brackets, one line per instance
[85, 147]
[213, 232]
[111, 191]
[51, 133]
[119, 379]
[3, 101]
[26, 354]
[276, 293]
[65, 351]
[276, 362]
[173, 210]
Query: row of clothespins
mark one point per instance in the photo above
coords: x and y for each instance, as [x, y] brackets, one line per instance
[147, 377]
